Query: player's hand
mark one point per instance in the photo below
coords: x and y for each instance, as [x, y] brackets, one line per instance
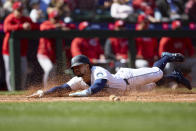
[83, 93]
[59, 25]
[26, 26]
[38, 94]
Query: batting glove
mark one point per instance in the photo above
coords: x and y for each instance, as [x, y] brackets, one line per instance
[83, 93]
[39, 94]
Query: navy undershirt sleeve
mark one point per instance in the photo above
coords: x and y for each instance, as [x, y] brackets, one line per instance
[58, 88]
[98, 85]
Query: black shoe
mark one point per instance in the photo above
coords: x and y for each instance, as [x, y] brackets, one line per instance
[181, 79]
[173, 57]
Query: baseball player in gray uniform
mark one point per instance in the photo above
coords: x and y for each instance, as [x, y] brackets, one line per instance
[92, 79]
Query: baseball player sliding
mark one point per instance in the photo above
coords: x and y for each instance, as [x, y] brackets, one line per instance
[92, 79]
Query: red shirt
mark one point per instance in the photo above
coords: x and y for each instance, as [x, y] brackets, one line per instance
[89, 47]
[147, 48]
[176, 45]
[12, 23]
[47, 46]
[120, 46]
[146, 5]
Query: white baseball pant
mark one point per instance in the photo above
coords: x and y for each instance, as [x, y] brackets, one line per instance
[47, 67]
[23, 59]
[140, 77]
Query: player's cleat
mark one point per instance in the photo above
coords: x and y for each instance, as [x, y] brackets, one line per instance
[181, 79]
[174, 57]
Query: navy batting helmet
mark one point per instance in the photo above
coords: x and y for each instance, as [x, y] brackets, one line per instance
[78, 60]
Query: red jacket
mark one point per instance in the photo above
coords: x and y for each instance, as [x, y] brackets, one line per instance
[147, 48]
[89, 47]
[47, 46]
[176, 45]
[12, 23]
[120, 46]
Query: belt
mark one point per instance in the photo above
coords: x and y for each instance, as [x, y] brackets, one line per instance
[126, 81]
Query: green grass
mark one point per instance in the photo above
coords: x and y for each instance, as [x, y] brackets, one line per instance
[12, 92]
[97, 116]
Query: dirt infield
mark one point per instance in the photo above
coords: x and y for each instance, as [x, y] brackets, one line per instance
[158, 95]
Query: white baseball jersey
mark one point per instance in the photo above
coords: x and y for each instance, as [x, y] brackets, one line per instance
[135, 77]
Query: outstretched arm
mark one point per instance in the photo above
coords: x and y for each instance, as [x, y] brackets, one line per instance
[41, 93]
[58, 89]
[98, 85]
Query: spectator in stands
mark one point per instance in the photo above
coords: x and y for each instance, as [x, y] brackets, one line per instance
[179, 45]
[36, 13]
[90, 47]
[163, 7]
[85, 4]
[8, 6]
[172, 9]
[2, 12]
[103, 8]
[190, 9]
[147, 48]
[26, 8]
[147, 7]
[46, 53]
[63, 7]
[176, 9]
[52, 6]
[13, 22]
[116, 49]
[44, 5]
[104, 4]
[120, 10]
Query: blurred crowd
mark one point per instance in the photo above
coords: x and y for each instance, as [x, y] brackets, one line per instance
[114, 52]
[70, 10]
